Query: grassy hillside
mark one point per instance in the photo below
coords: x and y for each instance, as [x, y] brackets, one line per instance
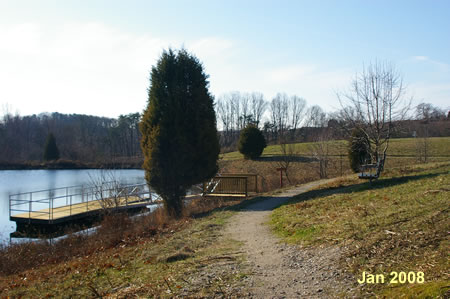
[305, 169]
[404, 147]
[399, 223]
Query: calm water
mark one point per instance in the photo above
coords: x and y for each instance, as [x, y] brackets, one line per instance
[17, 181]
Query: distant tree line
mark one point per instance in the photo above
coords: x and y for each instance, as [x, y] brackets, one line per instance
[100, 139]
[280, 117]
[79, 137]
[289, 119]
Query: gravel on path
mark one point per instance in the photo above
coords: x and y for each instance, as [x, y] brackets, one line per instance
[279, 270]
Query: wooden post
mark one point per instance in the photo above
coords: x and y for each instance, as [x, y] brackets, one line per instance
[281, 178]
[281, 169]
[31, 207]
[245, 187]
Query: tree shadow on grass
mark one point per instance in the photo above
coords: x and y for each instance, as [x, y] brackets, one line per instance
[361, 187]
[281, 158]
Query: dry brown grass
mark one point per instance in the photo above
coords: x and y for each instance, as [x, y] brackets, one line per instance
[303, 171]
[137, 264]
[115, 230]
[298, 172]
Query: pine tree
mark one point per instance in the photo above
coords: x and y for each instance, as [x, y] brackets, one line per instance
[179, 134]
[51, 151]
[251, 142]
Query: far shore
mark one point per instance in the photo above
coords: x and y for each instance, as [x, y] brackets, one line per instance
[69, 164]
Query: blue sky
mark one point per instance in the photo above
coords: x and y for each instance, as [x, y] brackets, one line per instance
[94, 57]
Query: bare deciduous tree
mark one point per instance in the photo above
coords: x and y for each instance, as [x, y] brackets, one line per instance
[289, 153]
[258, 106]
[245, 110]
[225, 115]
[423, 111]
[236, 110]
[235, 101]
[279, 108]
[321, 148]
[377, 99]
[422, 143]
[296, 111]
[107, 189]
[427, 112]
[316, 117]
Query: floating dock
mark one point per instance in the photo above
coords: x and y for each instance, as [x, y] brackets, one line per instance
[52, 210]
[47, 209]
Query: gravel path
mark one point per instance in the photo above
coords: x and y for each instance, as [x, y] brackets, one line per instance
[284, 271]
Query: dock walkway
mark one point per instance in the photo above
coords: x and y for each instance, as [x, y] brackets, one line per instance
[61, 205]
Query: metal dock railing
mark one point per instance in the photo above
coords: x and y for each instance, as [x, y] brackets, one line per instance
[53, 204]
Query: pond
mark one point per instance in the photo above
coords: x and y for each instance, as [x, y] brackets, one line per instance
[18, 181]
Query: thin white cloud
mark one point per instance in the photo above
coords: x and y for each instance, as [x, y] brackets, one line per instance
[420, 58]
[90, 67]
[77, 68]
[442, 66]
[97, 69]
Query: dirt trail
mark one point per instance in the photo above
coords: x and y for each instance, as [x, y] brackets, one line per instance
[284, 271]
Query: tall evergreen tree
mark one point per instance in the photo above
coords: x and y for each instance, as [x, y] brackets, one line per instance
[179, 134]
[51, 151]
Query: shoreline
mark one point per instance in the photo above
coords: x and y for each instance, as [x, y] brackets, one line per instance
[68, 164]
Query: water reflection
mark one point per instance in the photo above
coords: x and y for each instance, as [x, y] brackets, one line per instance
[51, 184]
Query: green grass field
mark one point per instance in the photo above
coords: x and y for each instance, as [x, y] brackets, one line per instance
[399, 223]
[404, 147]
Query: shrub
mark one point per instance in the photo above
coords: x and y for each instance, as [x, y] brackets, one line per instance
[251, 142]
[358, 149]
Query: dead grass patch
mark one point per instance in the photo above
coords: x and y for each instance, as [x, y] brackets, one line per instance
[149, 256]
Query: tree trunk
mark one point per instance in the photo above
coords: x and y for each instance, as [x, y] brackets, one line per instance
[174, 206]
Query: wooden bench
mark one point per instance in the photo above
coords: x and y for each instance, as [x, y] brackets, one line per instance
[371, 171]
